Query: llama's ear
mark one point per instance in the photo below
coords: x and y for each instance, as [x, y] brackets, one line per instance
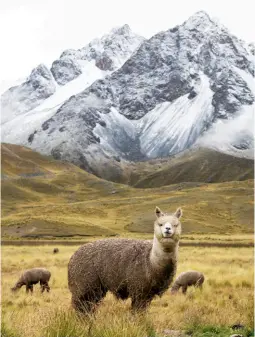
[158, 212]
[178, 213]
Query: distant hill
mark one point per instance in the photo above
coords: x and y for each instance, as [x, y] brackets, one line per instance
[199, 165]
[45, 198]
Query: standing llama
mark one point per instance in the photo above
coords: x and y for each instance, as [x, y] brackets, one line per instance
[136, 269]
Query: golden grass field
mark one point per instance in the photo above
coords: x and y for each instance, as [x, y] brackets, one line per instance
[227, 298]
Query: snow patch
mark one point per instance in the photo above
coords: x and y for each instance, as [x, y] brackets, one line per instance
[116, 134]
[175, 125]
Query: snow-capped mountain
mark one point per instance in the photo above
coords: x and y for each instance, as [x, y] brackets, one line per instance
[189, 85]
[107, 53]
[38, 86]
[46, 89]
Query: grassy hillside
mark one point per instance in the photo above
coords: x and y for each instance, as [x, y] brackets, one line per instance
[196, 165]
[44, 198]
[200, 165]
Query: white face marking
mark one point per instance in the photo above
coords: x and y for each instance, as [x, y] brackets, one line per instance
[167, 229]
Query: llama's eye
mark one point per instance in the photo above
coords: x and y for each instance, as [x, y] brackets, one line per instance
[175, 225]
[160, 224]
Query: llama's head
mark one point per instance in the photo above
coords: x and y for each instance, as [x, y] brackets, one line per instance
[167, 227]
[15, 288]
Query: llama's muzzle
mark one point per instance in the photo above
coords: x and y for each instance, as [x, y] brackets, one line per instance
[168, 233]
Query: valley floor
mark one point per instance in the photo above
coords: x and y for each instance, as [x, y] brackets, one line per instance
[227, 298]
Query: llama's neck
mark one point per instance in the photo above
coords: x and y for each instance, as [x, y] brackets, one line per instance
[162, 254]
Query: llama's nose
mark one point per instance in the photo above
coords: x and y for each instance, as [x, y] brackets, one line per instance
[168, 229]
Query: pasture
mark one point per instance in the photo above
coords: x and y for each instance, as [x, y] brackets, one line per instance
[227, 298]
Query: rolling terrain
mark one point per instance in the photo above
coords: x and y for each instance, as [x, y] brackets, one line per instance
[199, 165]
[196, 165]
[45, 198]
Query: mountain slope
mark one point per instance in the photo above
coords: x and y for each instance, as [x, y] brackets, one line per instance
[200, 165]
[45, 198]
[37, 192]
[194, 165]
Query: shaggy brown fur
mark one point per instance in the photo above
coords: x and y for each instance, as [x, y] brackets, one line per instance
[135, 269]
[187, 279]
[33, 276]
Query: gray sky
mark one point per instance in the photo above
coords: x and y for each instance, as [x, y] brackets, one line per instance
[37, 31]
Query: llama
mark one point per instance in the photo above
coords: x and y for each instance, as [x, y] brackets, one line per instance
[33, 276]
[187, 279]
[136, 269]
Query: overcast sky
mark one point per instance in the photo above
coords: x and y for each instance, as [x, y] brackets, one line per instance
[37, 31]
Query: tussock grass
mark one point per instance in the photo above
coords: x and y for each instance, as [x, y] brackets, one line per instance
[227, 298]
[7, 331]
[68, 324]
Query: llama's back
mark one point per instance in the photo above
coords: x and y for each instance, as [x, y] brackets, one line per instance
[36, 274]
[110, 261]
[189, 278]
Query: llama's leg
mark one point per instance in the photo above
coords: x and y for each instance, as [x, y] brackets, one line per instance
[29, 287]
[139, 304]
[86, 304]
[184, 289]
[47, 287]
[42, 287]
[82, 306]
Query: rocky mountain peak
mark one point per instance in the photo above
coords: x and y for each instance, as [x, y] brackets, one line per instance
[40, 76]
[65, 69]
[123, 30]
[197, 19]
[38, 86]
[108, 52]
[202, 22]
